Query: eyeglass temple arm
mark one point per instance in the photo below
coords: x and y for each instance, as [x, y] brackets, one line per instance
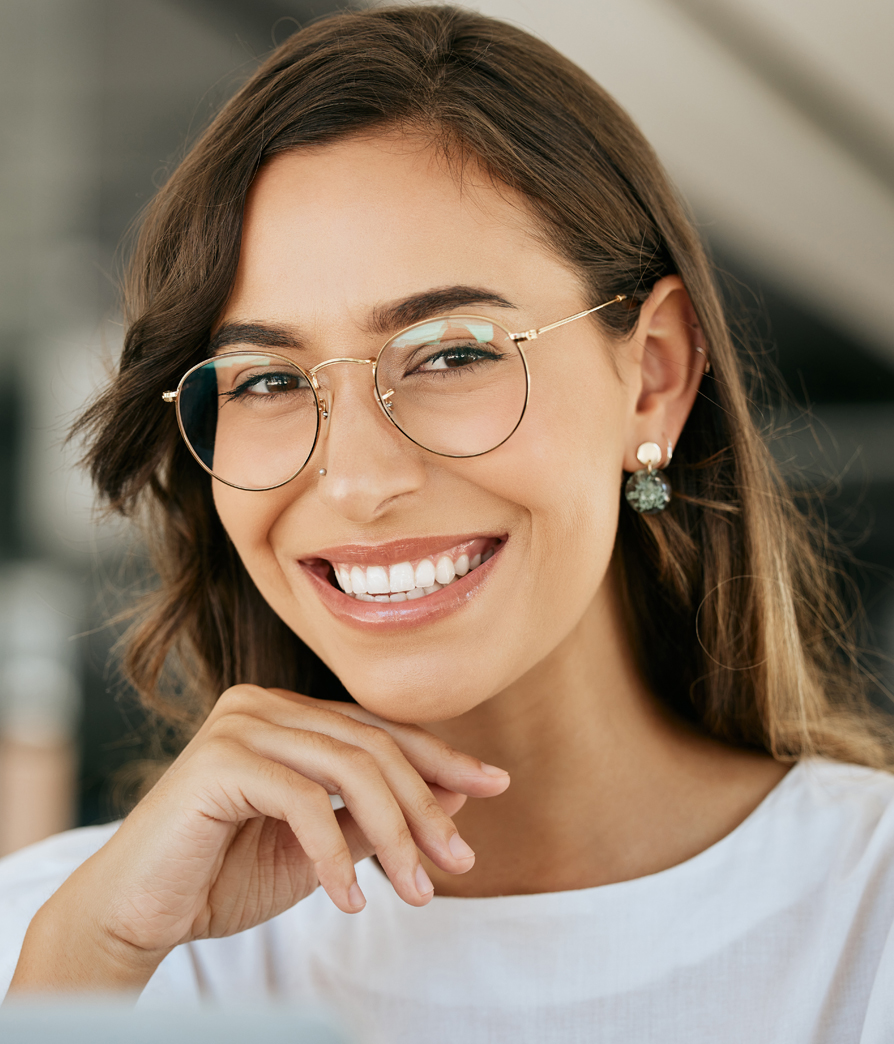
[532, 335]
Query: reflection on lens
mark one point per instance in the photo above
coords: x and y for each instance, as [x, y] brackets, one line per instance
[456, 385]
[250, 419]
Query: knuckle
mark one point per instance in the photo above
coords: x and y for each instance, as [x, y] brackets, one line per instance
[216, 753]
[359, 760]
[333, 851]
[398, 847]
[240, 699]
[380, 741]
[230, 724]
[429, 807]
[310, 794]
[455, 758]
[235, 696]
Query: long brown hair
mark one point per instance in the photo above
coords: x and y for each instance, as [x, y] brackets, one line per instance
[730, 605]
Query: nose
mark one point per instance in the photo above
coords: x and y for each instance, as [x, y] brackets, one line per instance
[368, 462]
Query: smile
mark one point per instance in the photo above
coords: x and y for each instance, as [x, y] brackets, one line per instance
[411, 579]
[403, 583]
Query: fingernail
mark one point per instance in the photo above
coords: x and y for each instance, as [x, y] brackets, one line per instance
[356, 897]
[459, 849]
[492, 770]
[423, 881]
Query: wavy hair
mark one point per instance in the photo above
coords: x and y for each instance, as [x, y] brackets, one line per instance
[731, 609]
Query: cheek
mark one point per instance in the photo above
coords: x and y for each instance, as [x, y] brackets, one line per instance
[564, 469]
[564, 463]
[249, 518]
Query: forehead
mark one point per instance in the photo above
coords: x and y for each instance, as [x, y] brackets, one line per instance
[343, 227]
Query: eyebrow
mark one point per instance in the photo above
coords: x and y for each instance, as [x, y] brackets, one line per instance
[383, 320]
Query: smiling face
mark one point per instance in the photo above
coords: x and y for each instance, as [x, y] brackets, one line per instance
[342, 247]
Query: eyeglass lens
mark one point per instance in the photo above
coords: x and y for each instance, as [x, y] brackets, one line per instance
[455, 385]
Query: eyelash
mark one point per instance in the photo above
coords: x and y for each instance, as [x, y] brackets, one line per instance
[475, 353]
[245, 386]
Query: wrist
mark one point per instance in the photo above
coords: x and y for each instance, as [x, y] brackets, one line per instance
[65, 952]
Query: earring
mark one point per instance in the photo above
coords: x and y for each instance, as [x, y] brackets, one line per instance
[701, 351]
[647, 490]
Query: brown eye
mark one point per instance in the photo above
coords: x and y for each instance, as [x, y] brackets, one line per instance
[271, 384]
[457, 358]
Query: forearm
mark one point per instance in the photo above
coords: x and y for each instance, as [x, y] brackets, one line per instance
[64, 953]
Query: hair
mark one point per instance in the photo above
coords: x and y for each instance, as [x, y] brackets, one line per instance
[731, 606]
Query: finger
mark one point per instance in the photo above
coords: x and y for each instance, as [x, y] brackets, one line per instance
[376, 811]
[361, 847]
[358, 842]
[366, 766]
[435, 760]
[251, 785]
[449, 800]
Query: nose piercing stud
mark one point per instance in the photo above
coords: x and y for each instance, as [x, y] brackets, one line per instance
[322, 471]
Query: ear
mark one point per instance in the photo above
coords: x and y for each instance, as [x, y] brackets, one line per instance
[667, 367]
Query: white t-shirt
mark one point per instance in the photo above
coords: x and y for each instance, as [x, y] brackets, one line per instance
[781, 933]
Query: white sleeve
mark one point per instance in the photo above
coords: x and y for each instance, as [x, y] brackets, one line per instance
[29, 877]
[878, 1027]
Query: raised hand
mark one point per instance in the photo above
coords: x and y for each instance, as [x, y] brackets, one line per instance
[241, 827]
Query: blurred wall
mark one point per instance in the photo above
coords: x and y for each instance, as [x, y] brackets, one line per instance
[775, 119]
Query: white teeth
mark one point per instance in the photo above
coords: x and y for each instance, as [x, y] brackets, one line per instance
[358, 580]
[445, 571]
[400, 582]
[344, 580]
[400, 577]
[377, 582]
[425, 573]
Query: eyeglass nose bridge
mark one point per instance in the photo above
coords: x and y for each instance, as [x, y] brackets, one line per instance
[323, 398]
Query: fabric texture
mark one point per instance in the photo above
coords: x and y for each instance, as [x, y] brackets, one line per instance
[782, 932]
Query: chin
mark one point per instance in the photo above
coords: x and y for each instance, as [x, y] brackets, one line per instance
[402, 692]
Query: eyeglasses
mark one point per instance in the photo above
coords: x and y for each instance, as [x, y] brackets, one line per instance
[456, 385]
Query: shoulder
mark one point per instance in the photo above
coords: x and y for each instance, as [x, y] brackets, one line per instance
[850, 801]
[827, 820]
[29, 877]
[851, 809]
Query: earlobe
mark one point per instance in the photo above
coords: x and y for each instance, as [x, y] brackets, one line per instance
[670, 367]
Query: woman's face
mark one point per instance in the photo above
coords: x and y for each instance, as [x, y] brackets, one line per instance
[335, 239]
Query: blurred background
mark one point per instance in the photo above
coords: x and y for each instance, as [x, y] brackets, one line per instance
[775, 119]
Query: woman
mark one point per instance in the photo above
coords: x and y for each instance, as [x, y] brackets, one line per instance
[432, 322]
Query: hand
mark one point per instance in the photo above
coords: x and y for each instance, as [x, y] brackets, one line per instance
[241, 827]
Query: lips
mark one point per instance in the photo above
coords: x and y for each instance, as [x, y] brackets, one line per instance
[367, 584]
[413, 578]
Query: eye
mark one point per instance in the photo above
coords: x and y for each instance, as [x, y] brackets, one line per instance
[458, 357]
[270, 384]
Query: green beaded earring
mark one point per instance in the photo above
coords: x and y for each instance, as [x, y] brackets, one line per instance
[647, 490]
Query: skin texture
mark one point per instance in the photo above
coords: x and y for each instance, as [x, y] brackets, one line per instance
[533, 673]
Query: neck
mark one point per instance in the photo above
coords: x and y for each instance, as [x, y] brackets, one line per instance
[606, 785]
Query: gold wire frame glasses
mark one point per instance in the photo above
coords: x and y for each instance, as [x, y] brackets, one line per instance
[455, 385]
